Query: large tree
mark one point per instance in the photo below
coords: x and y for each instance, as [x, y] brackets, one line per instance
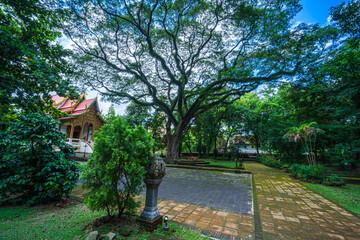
[185, 56]
[32, 64]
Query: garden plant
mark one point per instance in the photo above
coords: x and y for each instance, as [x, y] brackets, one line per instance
[115, 172]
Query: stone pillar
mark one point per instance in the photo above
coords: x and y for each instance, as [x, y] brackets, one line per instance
[151, 211]
[82, 129]
[72, 131]
[150, 218]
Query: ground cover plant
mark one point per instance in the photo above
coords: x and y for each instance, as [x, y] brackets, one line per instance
[347, 196]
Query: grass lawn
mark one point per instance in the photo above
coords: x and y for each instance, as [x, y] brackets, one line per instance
[44, 222]
[348, 196]
[69, 222]
[224, 163]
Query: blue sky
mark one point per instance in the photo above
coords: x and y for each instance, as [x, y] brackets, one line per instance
[316, 11]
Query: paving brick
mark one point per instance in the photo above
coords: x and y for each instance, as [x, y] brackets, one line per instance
[231, 225]
[190, 222]
[233, 219]
[303, 214]
[202, 225]
[216, 228]
[230, 231]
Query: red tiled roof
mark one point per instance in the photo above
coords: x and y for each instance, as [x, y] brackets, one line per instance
[78, 112]
[68, 105]
[84, 104]
[57, 99]
[74, 107]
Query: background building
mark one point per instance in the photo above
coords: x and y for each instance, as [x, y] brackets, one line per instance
[84, 118]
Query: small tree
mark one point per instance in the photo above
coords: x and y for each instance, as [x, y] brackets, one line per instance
[116, 169]
[306, 134]
[31, 170]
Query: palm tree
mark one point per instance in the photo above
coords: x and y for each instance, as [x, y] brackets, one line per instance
[306, 134]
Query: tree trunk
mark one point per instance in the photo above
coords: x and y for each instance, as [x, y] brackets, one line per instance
[226, 145]
[208, 149]
[188, 144]
[257, 143]
[173, 148]
[173, 141]
[215, 155]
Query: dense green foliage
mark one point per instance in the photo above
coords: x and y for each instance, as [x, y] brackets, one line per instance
[315, 174]
[308, 173]
[32, 65]
[329, 94]
[205, 131]
[115, 171]
[268, 160]
[31, 170]
[153, 121]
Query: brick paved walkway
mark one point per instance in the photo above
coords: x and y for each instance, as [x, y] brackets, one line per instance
[216, 220]
[289, 210]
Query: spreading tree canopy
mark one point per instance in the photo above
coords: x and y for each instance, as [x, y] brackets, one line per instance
[185, 56]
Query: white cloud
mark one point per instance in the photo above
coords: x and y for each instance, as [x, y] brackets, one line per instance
[328, 20]
[294, 25]
[65, 42]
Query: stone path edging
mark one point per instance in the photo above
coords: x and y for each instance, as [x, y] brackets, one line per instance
[231, 170]
[257, 221]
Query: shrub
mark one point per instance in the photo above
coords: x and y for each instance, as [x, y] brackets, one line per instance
[334, 180]
[115, 171]
[268, 160]
[31, 171]
[315, 174]
[307, 173]
[345, 155]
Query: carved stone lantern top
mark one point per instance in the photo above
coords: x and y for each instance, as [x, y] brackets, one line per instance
[156, 168]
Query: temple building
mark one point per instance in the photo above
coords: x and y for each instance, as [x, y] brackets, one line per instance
[84, 118]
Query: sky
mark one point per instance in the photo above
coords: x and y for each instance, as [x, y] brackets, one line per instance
[314, 11]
